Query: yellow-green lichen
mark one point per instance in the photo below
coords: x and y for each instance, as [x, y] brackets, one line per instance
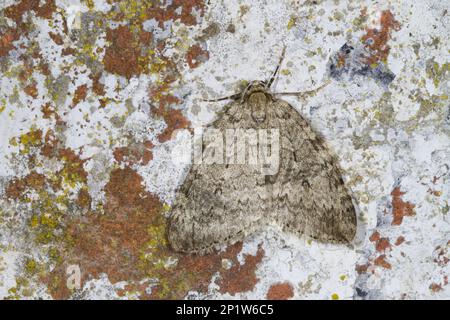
[20, 290]
[31, 266]
[436, 72]
[292, 22]
[28, 140]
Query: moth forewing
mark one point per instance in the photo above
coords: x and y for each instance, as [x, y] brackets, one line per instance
[269, 150]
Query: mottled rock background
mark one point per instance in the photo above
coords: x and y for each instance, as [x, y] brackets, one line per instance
[96, 94]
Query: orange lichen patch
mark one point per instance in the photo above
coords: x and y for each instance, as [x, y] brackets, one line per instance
[159, 94]
[400, 208]
[382, 244]
[435, 287]
[135, 153]
[46, 10]
[73, 170]
[31, 90]
[400, 240]
[109, 243]
[241, 278]
[381, 262]
[49, 147]
[97, 86]
[341, 60]
[182, 10]
[376, 39]
[103, 243]
[58, 39]
[196, 55]
[192, 272]
[280, 291]
[174, 119]
[121, 153]
[17, 11]
[6, 41]
[68, 51]
[125, 190]
[79, 95]
[186, 15]
[84, 199]
[362, 268]
[47, 111]
[133, 51]
[43, 9]
[44, 68]
[122, 56]
[375, 236]
[17, 187]
[145, 37]
[148, 155]
[26, 70]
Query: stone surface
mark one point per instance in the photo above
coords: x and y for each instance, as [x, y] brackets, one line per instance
[96, 95]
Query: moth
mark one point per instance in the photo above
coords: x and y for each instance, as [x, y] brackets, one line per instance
[219, 204]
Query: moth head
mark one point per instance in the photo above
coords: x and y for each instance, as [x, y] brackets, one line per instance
[256, 93]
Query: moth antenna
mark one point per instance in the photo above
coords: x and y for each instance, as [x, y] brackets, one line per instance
[272, 79]
[305, 93]
[233, 96]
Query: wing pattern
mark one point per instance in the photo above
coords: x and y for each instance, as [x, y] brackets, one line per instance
[220, 204]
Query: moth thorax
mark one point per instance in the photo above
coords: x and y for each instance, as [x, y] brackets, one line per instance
[257, 102]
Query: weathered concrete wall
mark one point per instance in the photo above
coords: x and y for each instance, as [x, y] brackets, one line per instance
[96, 94]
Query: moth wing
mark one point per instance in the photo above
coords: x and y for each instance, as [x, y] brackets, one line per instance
[309, 195]
[217, 203]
